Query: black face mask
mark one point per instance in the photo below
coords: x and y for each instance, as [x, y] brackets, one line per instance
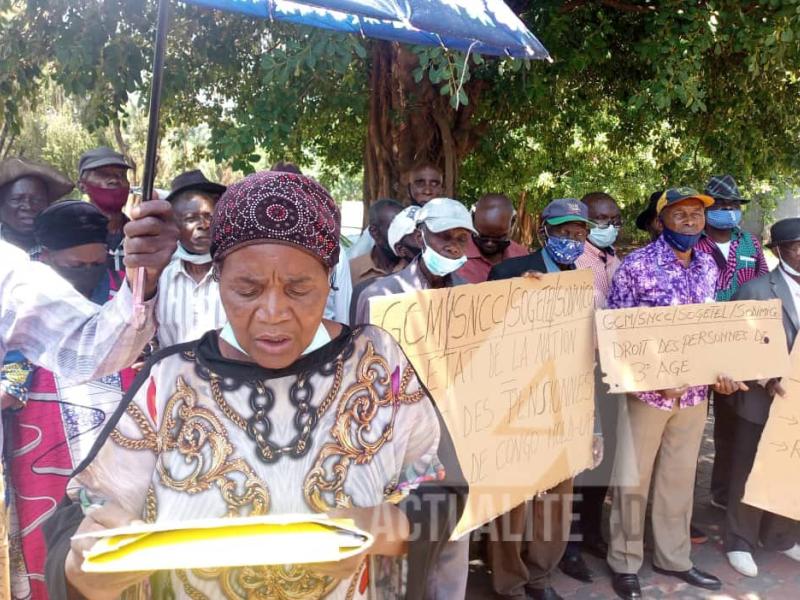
[85, 278]
[490, 246]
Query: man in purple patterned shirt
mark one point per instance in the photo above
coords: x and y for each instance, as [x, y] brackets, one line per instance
[663, 424]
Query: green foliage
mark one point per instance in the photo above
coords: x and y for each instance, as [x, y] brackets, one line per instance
[640, 94]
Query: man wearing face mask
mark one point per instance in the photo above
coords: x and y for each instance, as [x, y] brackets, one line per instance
[662, 424]
[190, 304]
[746, 527]
[493, 217]
[599, 254]
[739, 257]
[591, 486]
[65, 418]
[404, 240]
[527, 543]
[444, 226]
[103, 177]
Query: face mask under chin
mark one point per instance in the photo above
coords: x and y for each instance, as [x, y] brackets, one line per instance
[438, 265]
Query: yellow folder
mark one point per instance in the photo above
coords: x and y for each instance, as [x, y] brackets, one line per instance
[236, 542]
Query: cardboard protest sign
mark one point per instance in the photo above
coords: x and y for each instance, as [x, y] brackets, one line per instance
[511, 366]
[772, 484]
[643, 349]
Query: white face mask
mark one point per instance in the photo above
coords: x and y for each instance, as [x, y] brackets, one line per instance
[785, 266]
[603, 237]
[196, 259]
[321, 337]
[439, 265]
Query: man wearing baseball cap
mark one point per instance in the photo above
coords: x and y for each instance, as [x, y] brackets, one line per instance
[444, 226]
[565, 227]
[523, 564]
[665, 424]
[404, 240]
[103, 177]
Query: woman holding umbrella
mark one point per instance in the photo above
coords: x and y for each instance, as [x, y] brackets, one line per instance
[279, 412]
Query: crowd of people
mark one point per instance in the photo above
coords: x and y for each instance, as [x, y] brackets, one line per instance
[256, 384]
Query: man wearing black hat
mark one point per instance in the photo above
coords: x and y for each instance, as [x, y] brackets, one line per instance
[648, 220]
[747, 527]
[72, 235]
[189, 304]
[739, 258]
[26, 189]
[103, 177]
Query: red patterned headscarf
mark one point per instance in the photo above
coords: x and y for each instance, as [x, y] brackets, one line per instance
[279, 207]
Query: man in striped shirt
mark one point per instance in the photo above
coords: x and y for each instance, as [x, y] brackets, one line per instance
[189, 303]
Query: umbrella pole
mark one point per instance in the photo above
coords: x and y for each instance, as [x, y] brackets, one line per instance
[148, 178]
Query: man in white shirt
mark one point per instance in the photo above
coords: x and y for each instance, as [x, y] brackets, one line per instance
[54, 326]
[189, 303]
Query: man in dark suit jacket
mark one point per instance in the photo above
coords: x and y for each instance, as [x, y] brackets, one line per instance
[746, 525]
[519, 568]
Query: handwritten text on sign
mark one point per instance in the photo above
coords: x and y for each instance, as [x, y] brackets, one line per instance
[643, 349]
[510, 365]
[772, 484]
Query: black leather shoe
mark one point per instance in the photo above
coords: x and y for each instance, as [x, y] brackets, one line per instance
[694, 577]
[575, 567]
[595, 546]
[626, 585]
[547, 593]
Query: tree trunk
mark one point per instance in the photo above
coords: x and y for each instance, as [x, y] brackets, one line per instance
[410, 122]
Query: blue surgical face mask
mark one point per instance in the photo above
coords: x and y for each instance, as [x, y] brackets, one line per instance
[724, 219]
[681, 241]
[603, 237]
[438, 265]
[563, 250]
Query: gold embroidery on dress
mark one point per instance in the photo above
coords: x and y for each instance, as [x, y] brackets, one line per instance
[195, 432]
[357, 408]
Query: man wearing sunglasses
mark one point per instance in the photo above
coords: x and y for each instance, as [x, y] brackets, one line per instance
[493, 217]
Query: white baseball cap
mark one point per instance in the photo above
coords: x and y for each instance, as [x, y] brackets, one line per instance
[441, 214]
[402, 224]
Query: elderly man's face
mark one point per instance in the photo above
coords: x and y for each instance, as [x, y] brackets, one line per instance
[425, 184]
[494, 226]
[577, 231]
[109, 177]
[790, 253]
[21, 202]
[451, 243]
[193, 214]
[687, 217]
